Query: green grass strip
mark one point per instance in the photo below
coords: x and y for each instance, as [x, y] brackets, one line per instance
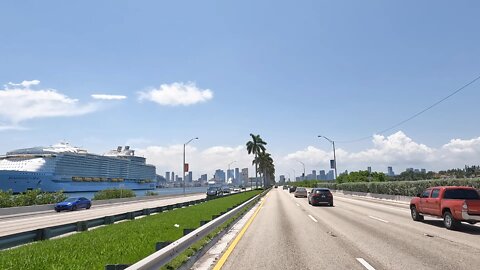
[189, 252]
[123, 243]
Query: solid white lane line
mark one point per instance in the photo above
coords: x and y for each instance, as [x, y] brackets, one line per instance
[379, 219]
[312, 218]
[365, 264]
[298, 204]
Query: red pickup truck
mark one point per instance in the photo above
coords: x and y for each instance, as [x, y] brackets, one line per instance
[453, 204]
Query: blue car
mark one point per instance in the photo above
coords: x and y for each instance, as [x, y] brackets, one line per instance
[73, 204]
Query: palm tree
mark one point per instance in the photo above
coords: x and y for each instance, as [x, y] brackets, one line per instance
[256, 146]
[265, 165]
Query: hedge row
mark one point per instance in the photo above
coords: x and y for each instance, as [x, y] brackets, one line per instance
[108, 194]
[31, 197]
[404, 188]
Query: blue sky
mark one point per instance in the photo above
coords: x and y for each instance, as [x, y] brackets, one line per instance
[285, 70]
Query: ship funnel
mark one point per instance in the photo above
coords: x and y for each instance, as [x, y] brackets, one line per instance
[127, 148]
[119, 149]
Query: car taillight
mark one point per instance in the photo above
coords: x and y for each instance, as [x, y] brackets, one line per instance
[329, 195]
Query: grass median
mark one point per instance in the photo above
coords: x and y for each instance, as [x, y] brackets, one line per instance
[123, 243]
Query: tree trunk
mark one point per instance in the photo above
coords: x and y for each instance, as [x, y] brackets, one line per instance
[256, 171]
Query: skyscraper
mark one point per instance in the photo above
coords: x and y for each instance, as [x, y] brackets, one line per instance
[322, 175]
[167, 177]
[237, 176]
[190, 176]
[219, 176]
[230, 175]
[330, 175]
[244, 176]
[390, 171]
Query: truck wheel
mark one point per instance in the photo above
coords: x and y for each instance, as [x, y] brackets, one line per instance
[449, 221]
[415, 215]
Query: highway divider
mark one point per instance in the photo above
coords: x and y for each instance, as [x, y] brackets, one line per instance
[13, 240]
[171, 251]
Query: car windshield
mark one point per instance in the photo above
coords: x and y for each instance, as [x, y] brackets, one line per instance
[461, 194]
[71, 199]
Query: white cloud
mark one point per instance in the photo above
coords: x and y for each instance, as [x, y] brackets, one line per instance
[18, 102]
[397, 150]
[26, 84]
[177, 93]
[108, 97]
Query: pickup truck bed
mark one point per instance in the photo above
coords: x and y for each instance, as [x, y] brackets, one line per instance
[453, 204]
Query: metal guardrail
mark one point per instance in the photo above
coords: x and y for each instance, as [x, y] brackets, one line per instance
[168, 253]
[17, 239]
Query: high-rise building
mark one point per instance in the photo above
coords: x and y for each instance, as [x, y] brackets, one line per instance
[219, 176]
[244, 177]
[173, 177]
[282, 180]
[330, 175]
[190, 177]
[423, 171]
[390, 171]
[322, 175]
[167, 177]
[230, 175]
[369, 169]
[237, 177]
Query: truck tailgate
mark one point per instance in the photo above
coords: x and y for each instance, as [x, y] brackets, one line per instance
[473, 207]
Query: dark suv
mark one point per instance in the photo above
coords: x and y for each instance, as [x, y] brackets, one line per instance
[292, 189]
[320, 196]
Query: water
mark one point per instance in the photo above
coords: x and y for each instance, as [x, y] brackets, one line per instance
[141, 193]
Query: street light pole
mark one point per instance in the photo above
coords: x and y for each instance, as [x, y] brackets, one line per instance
[184, 169]
[334, 156]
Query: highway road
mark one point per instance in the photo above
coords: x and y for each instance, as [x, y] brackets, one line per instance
[26, 223]
[356, 233]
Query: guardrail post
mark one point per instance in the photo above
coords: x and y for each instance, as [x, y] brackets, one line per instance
[131, 215]
[161, 245]
[116, 266]
[109, 220]
[82, 226]
[146, 211]
[187, 231]
[43, 234]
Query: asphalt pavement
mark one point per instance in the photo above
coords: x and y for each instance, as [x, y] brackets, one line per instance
[26, 223]
[356, 233]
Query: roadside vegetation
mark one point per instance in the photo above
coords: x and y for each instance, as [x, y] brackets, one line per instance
[31, 197]
[151, 193]
[262, 160]
[404, 188]
[122, 243]
[113, 194]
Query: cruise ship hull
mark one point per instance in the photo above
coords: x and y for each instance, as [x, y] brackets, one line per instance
[23, 181]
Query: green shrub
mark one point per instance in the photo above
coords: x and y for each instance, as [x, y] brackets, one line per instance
[404, 188]
[31, 197]
[151, 193]
[113, 194]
